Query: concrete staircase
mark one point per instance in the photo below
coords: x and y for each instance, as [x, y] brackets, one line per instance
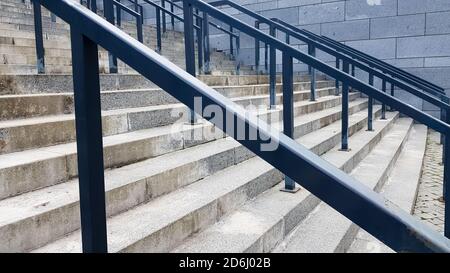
[18, 53]
[174, 187]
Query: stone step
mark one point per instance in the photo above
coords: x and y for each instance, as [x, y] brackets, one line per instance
[327, 231]
[32, 169]
[261, 224]
[34, 105]
[198, 205]
[23, 134]
[400, 187]
[37, 84]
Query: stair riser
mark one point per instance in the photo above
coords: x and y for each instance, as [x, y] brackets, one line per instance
[144, 189]
[21, 138]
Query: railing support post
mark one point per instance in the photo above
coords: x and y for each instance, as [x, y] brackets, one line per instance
[446, 182]
[338, 66]
[370, 106]
[312, 52]
[266, 58]
[140, 35]
[207, 57]
[40, 51]
[344, 114]
[288, 110]
[89, 142]
[94, 6]
[189, 46]
[273, 71]
[383, 106]
[392, 94]
[172, 19]
[158, 30]
[108, 9]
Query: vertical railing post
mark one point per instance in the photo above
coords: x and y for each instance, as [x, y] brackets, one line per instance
[108, 10]
[199, 36]
[158, 30]
[266, 57]
[383, 106]
[189, 46]
[370, 106]
[288, 109]
[288, 38]
[443, 119]
[257, 49]
[140, 35]
[446, 182]
[273, 70]
[118, 16]
[163, 5]
[344, 114]
[40, 51]
[312, 52]
[207, 57]
[88, 122]
[94, 6]
[338, 66]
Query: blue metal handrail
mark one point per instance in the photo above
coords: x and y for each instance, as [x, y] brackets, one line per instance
[366, 208]
[203, 33]
[137, 15]
[348, 81]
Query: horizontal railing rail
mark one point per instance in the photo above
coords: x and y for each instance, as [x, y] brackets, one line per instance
[358, 203]
[441, 101]
[369, 60]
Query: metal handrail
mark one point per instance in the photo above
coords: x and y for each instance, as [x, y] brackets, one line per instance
[358, 203]
[137, 15]
[376, 63]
